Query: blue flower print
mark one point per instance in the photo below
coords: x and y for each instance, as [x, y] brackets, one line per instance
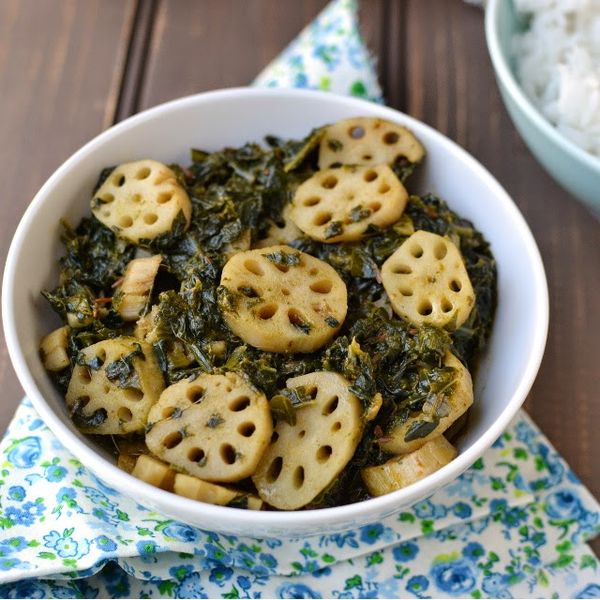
[11, 545]
[146, 548]
[220, 575]
[369, 534]
[181, 532]
[55, 473]
[10, 562]
[514, 517]
[563, 505]
[455, 577]
[405, 552]
[25, 452]
[462, 510]
[417, 585]
[216, 554]
[18, 516]
[26, 588]
[328, 54]
[296, 590]
[105, 544]
[473, 551]
[300, 80]
[590, 591]
[65, 545]
[16, 492]
[190, 587]
[427, 510]
[244, 582]
[62, 591]
[495, 585]
[35, 509]
[342, 539]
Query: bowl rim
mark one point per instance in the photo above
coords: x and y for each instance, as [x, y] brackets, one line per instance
[507, 77]
[330, 518]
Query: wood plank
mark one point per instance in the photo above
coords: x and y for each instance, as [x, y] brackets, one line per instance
[451, 86]
[61, 64]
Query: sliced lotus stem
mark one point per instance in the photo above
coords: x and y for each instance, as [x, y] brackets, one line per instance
[445, 410]
[405, 470]
[154, 472]
[53, 349]
[131, 297]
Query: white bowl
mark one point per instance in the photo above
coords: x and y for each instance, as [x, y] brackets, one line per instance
[232, 117]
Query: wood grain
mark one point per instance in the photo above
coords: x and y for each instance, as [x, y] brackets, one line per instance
[61, 64]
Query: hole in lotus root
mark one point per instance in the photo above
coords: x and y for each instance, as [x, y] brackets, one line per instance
[329, 182]
[331, 406]
[194, 394]
[274, 437]
[82, 402]
[267, 311]
[228, 454]
[108, 198]
[324, 453]
[239, 404]
[296, 319]
[274, 470]
[313, 391]
[323, 286]
[455, 285]
[384, 188]
[416, 251]
[248, 291]
[336, 426]
[137, 198]
[124, 414]
[106, 389]
[101, 356]
[246, 429]
[106, 213]
[164, 197]
[367, 156]
[391, 137]
[312, 201]
[374, 206]
[282, 268]
[356, 132]
[405, 291]
[350, 197]
[440, 250]
[196, 455]
[285, 292]
[424, 308]
[150, 218]
[298, 477]
[401, 270]
[253, 266]
[133, 394]
[446, 305]
[322, 218]
[168, 411]
[125, 221]
[119, 179]
[143, 173]
[85, 375]
[313, 272]
[370, 175]
[172, 439]
[302, 433]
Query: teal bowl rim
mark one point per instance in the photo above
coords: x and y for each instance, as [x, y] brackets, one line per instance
[508, 79]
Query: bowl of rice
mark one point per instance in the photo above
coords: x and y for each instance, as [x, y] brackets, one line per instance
[546, 56]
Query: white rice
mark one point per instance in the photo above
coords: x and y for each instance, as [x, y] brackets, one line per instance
[558, 65]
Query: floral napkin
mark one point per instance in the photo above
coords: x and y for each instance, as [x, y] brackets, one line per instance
[514, 525]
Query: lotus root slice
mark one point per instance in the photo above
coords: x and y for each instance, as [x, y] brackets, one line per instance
[427, 282]
[303, 459]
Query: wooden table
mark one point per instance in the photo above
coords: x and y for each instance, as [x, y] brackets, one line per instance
[69, 69]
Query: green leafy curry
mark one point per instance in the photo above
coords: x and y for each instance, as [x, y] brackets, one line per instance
[238, 193]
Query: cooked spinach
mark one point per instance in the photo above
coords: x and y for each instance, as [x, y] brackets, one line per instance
[236, 194]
